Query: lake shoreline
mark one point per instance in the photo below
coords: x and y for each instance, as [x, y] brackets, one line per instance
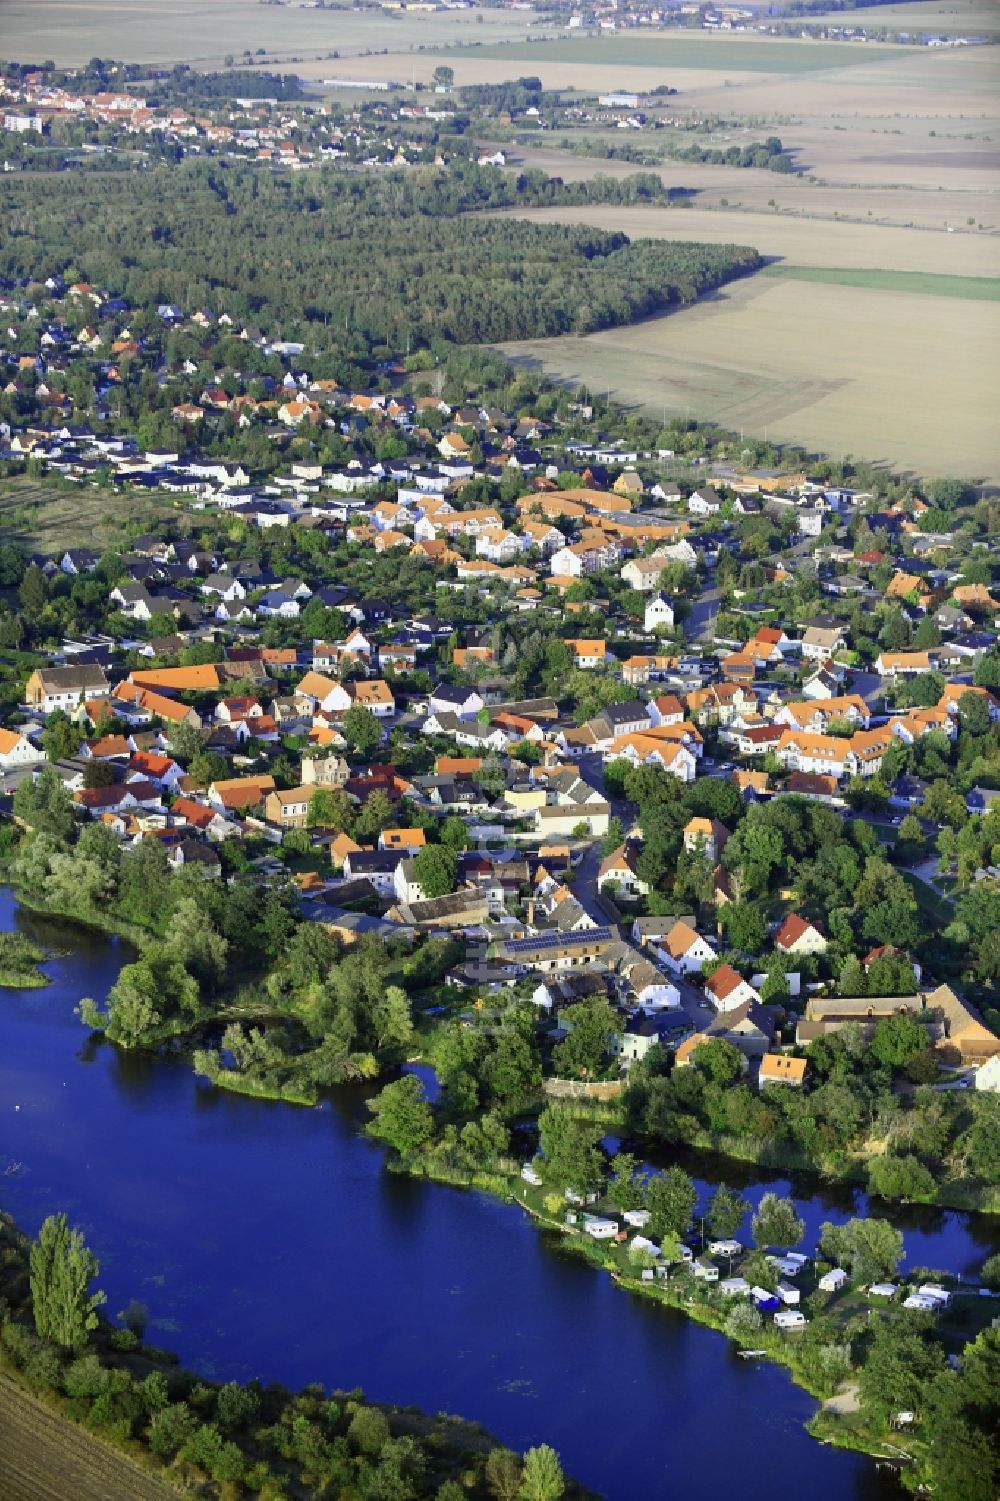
[636, 1336]
[823, 1425]
[965, 1197]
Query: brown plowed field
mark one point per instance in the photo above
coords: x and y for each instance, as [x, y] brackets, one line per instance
[44, 1457]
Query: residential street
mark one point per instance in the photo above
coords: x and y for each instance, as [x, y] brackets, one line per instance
[701, 621]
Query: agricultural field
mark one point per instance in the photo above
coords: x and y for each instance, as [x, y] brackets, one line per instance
[974, 288]
[895, 87]
[906, 378]
[191, 31]
[670, 49]
[733, 193]
[932, 17]
[874, 329]
[44, 1457]
[48, 519]
[797, 240]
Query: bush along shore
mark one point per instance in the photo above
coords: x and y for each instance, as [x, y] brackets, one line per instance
[19, 961]
[231, 1440]
[274, 1007]
[906, 1366]
[269, 1005]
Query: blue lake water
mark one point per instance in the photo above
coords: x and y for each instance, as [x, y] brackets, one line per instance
[267, 1240]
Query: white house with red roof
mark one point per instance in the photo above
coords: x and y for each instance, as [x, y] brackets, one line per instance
[727, 990]
[797, 935]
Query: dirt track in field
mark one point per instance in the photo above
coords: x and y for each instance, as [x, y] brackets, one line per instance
[44, 1457]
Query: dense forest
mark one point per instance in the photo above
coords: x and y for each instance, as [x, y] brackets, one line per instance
[376, 256]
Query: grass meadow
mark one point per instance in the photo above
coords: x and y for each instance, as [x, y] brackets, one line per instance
[46, 518]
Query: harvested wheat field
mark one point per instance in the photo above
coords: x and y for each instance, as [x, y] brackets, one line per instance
[934, 17]
[795, 239]
[43, 1457]
[911, 380]
[737, 191]
[202, 34]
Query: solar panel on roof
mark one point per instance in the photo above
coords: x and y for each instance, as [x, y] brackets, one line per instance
[558, 940]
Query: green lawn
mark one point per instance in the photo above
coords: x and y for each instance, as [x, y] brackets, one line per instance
[48, 518]
[741, 54]
[927, 283]
[930, 906]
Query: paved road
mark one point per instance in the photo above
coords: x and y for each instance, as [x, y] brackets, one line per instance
[583, 884]
[700, 624]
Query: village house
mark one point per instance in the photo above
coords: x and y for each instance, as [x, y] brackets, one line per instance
[706, 836]
[902, 664]
[704, 502]
[796, 935]
[587, 653]
[780, 1068]
[643, 574]
[236, 794]
[288, 808]
[16, 750]
[324, 771]
[51, 688]
[659, 614]
[819, 642]
[822, 754]
[727, 989]
[618, 870]
[685, 950]
[548, 952]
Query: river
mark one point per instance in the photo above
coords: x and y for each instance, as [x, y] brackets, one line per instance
[266, 1240]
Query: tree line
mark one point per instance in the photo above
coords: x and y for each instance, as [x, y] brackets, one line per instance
[346, 252]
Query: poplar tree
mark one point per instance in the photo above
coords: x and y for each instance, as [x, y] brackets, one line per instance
[61, 1270]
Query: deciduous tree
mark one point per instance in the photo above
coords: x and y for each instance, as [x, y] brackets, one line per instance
[543, 1478]
[402, 1115]
[61, 1270]
[670, 1199]
[870, 1249]
[776, 1223]
[435, 868]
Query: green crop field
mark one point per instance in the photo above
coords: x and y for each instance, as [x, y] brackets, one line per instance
[739, 54]
[977, 288]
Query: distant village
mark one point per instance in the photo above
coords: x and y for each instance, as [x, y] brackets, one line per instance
[294, 134]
